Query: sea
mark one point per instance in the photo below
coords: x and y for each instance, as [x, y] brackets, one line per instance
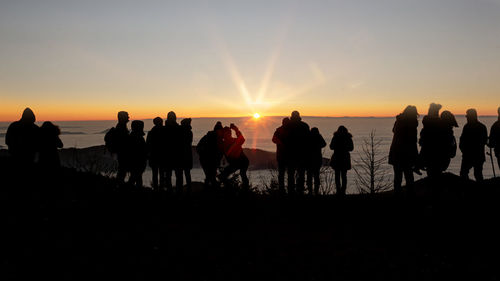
[258, 134]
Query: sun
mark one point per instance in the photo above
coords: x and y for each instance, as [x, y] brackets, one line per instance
[256, 115]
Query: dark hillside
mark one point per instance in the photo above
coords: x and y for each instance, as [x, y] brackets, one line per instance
[79, 226]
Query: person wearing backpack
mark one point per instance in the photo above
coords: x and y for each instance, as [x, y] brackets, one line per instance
[210, 155]
[116, 140]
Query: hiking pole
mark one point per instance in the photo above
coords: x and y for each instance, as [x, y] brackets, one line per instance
[492, 163]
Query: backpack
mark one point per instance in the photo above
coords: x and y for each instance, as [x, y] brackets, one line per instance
[110, 140]
[202, 146]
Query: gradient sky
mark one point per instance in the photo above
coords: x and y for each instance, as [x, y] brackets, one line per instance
[80, 60]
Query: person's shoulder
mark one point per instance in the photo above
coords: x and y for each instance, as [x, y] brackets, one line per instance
[13, 125]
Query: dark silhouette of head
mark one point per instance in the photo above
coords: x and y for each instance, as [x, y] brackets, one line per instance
[449, 119]
[28, 116]
[186, 122]
[218, 126]
[498, 112]
[137, 127]
[171, 117]
[410, 111]
[295, 116]
[226, 132]
[434, 109]
[158, 121]
[50, 128]
[342, 130]
[123, 117]
[314, 131]
[285, 121]
[471, 115]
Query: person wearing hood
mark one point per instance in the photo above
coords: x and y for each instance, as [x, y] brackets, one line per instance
[341, 145]
[430, 141]
[172, 150]
[138, 152]
[403, 152]
[22, 139]
[448, 141]
[187, 150]
[49, 144]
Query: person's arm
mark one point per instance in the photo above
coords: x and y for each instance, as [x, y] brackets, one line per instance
[59, 143]
[350, 146]
[276, 138]
[322, 141]
[493, 136]
[332, 143]
[484, 137]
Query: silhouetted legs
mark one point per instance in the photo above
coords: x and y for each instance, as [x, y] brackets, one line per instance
[341, 185]
[187, 174]
[313, 174]
[210, 171]
[398, 178]
[122, 169]
[291, 180]
[478, 170]
[498, 160]
[301, 176]
[136, 178]
[281, 177]
[234, 165]
[178, 179]
[158, 173]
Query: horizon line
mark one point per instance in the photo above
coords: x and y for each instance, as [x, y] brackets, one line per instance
[228, 117]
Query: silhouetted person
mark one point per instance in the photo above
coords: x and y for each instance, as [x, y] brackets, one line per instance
[472, 141]
[297, 143]
[341, 159]
[494, 139]
[403, 152]
[120, 141]
[449, 143]
[233, 151]
[430, 141]
[281, 152]
[21, 139]
[210, 155]
[173, 152]
[187, 150]
[137, 153]
[316, 143]
[154, 142]
[48, 145]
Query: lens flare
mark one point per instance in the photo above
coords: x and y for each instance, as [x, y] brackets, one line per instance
[256, 115]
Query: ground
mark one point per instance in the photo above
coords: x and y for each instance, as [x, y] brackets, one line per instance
[81, 226]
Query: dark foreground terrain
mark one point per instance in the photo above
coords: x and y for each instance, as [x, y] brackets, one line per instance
[79, 226]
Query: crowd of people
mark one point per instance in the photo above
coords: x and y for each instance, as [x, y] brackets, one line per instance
[168, 149]
[438, 144]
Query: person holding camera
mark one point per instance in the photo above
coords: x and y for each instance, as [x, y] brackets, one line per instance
[233, 151]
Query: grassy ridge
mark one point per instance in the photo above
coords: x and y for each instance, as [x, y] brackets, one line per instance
[77, 225]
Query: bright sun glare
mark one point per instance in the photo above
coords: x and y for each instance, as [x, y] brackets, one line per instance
[256, 115]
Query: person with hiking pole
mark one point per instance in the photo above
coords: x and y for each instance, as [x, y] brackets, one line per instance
[494, 142]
